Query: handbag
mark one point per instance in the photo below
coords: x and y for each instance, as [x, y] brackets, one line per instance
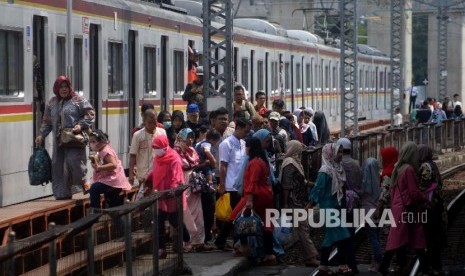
[199, 183]
[68, 139]
[248, 225]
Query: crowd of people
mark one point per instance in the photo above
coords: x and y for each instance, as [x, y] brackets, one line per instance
[257, 160]
[431, 110]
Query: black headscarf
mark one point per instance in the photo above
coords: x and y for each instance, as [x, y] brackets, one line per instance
[322, 128]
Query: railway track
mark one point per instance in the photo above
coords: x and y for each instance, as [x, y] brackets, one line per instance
[455, 234]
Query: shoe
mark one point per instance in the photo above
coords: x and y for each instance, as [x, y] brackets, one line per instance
[162, 254]
[203, 248]
[312, 263]
[374, 267]
[269, 261]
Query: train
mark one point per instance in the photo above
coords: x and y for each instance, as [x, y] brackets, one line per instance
[127, 52]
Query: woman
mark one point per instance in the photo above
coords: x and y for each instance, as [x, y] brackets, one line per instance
[167, 173]
[405, 192]
[322, 128]
[164, 118]
[193, 215]
[177, 123]
[66, 110]
[370, 193]
[303, 117]
[328, 193]
[294, 126]
[389, 158]
[285, 124]
[258, 194]
[436, 221]
[108, 178]
[296, 188]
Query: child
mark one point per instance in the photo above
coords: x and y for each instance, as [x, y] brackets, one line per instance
[108, 178]
[203, 149]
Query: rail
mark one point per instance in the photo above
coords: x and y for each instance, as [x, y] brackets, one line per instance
[122, 240]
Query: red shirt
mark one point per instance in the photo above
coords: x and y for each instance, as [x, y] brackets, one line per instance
[261, 111]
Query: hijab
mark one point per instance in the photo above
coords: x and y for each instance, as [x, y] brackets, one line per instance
[389, 156]
[163, 165]
[333, 169]
[408, 157]
[57, 86]
[262, 134]
[371, 180]
[429, 172]
[189, 156]
[292, 156]
[302, 126]
[285, 124]
[425, 154]
[322, 128]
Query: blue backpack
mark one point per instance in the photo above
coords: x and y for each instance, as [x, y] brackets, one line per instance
[40, 167]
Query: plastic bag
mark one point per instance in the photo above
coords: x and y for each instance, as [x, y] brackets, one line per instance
[40, 167]
[282, 234]
[223, 207]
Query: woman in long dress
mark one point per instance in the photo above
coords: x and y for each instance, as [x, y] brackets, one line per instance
[328, 193]
[193, 215]
[406, 198]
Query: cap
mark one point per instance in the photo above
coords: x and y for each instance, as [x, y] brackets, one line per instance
[196, 52]
[275, 116]
[192, 108]
[345, 143]
[199, 71]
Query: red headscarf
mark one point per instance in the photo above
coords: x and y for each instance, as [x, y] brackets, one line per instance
[167, 172]
[57, 85]
[390, 155]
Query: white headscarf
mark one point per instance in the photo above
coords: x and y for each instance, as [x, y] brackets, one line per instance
[333, 169]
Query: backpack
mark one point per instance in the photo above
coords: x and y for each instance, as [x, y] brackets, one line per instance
[40, 167]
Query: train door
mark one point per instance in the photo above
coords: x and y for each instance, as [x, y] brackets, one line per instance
[94, 71]
[267, 57]
[38, 48]
[291, 79]
[164, 72]
[133, 102]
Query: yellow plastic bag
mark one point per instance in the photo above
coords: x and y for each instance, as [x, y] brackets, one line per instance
[223, 207]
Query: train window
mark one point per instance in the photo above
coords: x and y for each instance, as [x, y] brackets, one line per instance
[150, 76]
[11, 64]
[61, 56]
[274, 77]
[178, 73]
[334, 78]
[298, 77]
[77, 61]
[287, 77]
[308, 77]
[381, 81]
[326, 77]
[245, 73]
[260, 76]
[115, 69]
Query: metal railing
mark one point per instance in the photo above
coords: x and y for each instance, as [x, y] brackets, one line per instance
[119, 240]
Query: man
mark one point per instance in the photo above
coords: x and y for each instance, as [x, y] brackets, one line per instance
[232, 149]
[278, 106]
[278, 133]
[413, 92]
[193, 120]
[260, 98]
[144, 107]
[141, 152]
[447, 106]
[456, 101]
[194, 56]
[193, 94]
[241, 104]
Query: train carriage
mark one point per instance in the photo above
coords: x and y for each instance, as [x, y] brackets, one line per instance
[129, 52]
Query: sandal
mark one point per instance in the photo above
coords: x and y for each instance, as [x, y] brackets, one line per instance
[269, 261]
[345, 270]
[325, 271]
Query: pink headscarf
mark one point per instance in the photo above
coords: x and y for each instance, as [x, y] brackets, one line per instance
[333, 169]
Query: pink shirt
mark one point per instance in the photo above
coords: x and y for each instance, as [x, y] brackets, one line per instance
[115, 178]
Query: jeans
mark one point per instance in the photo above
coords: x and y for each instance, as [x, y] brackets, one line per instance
[112, 197]
[373, 236]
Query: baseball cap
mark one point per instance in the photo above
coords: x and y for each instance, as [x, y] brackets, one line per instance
[345, 143]
[192, 108]
[199, 71]
[275, 116]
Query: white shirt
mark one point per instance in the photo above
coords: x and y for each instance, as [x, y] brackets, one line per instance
[413, 91]
[457, 103]
[141, 147]
[215, 150]
[398, 119]
[231, 151]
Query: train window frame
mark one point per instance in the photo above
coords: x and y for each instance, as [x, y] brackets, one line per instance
[60, 55]
[17, 93]
[78, 79]
[287, 77]
[298, 77]
[178, 73]
[260, 75]
[274, 78]
[245, 73]
[146, 90]
[115, 65]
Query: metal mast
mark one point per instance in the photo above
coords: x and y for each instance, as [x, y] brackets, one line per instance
[348, 66]
[397, 53]
[443, 20]
[219, 12]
